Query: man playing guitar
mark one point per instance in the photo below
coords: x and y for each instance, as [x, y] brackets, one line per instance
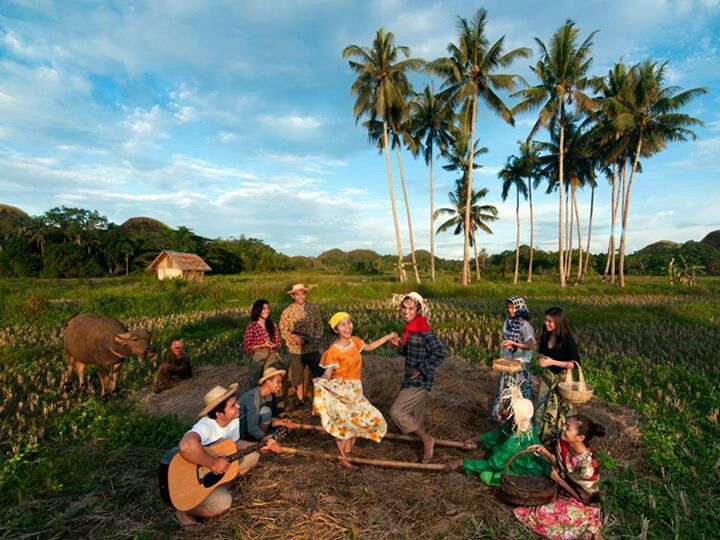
[220, 420]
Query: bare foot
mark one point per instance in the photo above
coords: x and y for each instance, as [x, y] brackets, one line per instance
[429, 449]
[186, 520]
[347, 464]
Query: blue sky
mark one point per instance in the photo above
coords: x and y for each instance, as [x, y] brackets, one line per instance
[236, 117]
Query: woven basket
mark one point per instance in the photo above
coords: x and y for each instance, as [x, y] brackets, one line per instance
[575, 392]
[502, 365]
[523, 490]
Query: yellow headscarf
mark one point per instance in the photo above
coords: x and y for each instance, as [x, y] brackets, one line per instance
[335, 319]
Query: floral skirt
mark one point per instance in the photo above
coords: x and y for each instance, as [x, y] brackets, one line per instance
[345, 412]
[563, 519]
[523, 378]
[551, 410]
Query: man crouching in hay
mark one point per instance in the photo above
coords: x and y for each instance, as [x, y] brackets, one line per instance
[423, 353]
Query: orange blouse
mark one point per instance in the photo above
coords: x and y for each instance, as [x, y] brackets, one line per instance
[347, 360]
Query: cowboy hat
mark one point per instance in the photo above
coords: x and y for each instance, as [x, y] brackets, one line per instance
[300, 287]
[269, 373]
[216, 396]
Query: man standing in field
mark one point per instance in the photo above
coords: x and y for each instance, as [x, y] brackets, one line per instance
[301, 328]
[174, 369]
[423, 353]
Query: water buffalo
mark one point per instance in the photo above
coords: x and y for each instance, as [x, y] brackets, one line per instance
[91, 339]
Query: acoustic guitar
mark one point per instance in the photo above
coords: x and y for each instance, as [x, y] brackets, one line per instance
[184, 485]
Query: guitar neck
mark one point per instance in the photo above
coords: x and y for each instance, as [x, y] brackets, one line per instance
[244, 452]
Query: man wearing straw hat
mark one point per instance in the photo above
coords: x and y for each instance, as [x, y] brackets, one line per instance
[255, 411]
[301, 328]
[220, 419]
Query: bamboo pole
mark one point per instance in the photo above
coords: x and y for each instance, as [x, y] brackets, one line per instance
[393, 436]
[365, 461]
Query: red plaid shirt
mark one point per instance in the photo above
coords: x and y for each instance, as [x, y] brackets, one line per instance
[256, 335]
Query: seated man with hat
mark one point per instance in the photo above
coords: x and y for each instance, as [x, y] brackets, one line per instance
[255, 410]
[220, 419]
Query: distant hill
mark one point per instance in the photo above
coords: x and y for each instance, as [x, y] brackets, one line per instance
[139, 225]
[662, 245]
[712, 239]
[8, 215]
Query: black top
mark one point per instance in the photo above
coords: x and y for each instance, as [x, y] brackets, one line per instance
[566, 351]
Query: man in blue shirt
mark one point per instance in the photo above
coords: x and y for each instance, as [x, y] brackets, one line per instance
[255, 412]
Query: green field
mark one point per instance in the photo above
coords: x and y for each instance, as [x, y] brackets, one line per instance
[78, 465]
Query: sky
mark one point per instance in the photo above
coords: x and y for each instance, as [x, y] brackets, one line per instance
[235, 118]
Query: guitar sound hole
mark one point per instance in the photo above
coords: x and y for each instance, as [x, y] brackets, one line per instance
[210, 479]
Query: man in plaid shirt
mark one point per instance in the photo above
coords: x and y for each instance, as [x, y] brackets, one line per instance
[423, 353]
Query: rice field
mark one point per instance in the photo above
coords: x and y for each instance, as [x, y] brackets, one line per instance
[74, 460]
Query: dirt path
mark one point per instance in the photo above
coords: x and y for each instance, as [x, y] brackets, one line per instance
[295, 497]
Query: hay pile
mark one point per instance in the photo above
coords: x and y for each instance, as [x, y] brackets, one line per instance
[299, 497]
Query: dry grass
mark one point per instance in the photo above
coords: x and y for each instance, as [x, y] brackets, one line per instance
[297, 497]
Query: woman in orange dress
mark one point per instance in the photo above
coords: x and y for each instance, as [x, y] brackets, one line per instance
[344, 411]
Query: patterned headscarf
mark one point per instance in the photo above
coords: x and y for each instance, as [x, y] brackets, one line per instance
[521, 312]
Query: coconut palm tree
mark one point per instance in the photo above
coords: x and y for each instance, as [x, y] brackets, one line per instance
[480, 215]
[579, 165]
[432, 119]
[563, 72]
[513, 174]
[399, 134]
[381, 87]
[650, 114]
[469, 74]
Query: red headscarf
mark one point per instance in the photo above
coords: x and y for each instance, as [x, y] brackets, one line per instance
[418, 324]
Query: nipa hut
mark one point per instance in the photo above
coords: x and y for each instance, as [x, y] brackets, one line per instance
[173, 264]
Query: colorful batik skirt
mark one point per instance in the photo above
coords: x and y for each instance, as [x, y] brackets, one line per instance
[563, 519]
[345, 412]
[551, 410]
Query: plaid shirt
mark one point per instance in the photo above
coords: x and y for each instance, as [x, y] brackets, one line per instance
[256, 335]
[422, 351]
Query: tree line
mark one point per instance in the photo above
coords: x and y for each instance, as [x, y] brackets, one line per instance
[596, 126]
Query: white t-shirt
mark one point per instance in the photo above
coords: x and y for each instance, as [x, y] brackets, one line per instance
[211, 432]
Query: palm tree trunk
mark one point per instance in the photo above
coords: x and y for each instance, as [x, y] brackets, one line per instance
[532, 233]
[471, 146]
[587, 251]
[432, 225]
[409, 220]
[568, 235]
[127, 264]
[561, 189]
[579, 231]
[626, 206]
[620, 200]
[571, 223]
[612, 220]
[517, 235]
[477, 262]
[401, 269]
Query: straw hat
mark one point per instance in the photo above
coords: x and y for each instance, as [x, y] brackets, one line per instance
[216, 396]
[269, 373]
[300, 287]
[424, 309]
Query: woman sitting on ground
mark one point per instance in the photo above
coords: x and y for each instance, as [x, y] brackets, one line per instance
[505, 442]
[577, 471]
[557, 353]
[518, 341]
[344, 411]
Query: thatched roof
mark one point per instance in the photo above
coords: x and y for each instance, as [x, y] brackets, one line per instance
[183, 261]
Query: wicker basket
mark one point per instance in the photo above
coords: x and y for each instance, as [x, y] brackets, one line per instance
[575, 392]
[523, 490]
[502, 365]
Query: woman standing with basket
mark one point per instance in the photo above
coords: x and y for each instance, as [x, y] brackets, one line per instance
[517, 347]
[557, 353]
[262, 341]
